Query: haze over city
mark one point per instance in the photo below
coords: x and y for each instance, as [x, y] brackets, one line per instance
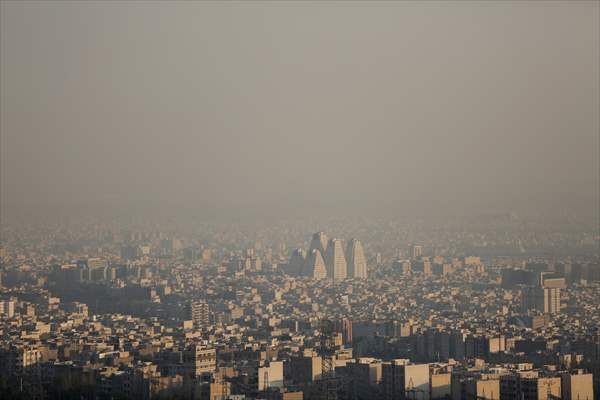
[399, 107]
[300, 200]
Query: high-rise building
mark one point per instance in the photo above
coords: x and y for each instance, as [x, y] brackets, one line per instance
[306, 368]
[550, 281]
[441, 386]
[199, 313]
[344, 326]
[318, 242]
[363, 376]
[545, 298]
[96, 269]
[271, 376]
[403, 266]
[256, 264]
[477, 388]
[512, 277]
[529, 385]
[94, 263]
[355, 258]
[401, 380]
[416, 251]
[315, 265]
[577, 386]
[423, 266]
[551, 300]
[219, 389]
[297, 263]
[199, 359]
[541, 388]
[335, 260]
[7, 308]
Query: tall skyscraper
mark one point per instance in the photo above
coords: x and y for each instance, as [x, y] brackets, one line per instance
[335, 260]
[355, 258]
[319, 242]
[552, 300]
[297, 263]
[315, 265]
[552, 287]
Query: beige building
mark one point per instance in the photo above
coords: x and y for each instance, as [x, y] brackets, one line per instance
[400, 380]
[441, 386]
[305, 369]
[578, 386]
[482, 389]
[541, 388]
[542, 299]
[200, 359]
[270, 376]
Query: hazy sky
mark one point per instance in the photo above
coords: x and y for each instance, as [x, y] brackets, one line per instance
[287, 106]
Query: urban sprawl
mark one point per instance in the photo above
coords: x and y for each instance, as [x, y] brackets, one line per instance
[505, 309]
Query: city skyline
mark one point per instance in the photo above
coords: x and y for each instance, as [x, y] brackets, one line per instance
[300, 200]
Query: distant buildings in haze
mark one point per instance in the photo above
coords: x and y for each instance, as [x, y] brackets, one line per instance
[328, 259]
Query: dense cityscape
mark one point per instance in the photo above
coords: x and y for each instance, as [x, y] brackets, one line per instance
[300, 200]
[505, 308]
